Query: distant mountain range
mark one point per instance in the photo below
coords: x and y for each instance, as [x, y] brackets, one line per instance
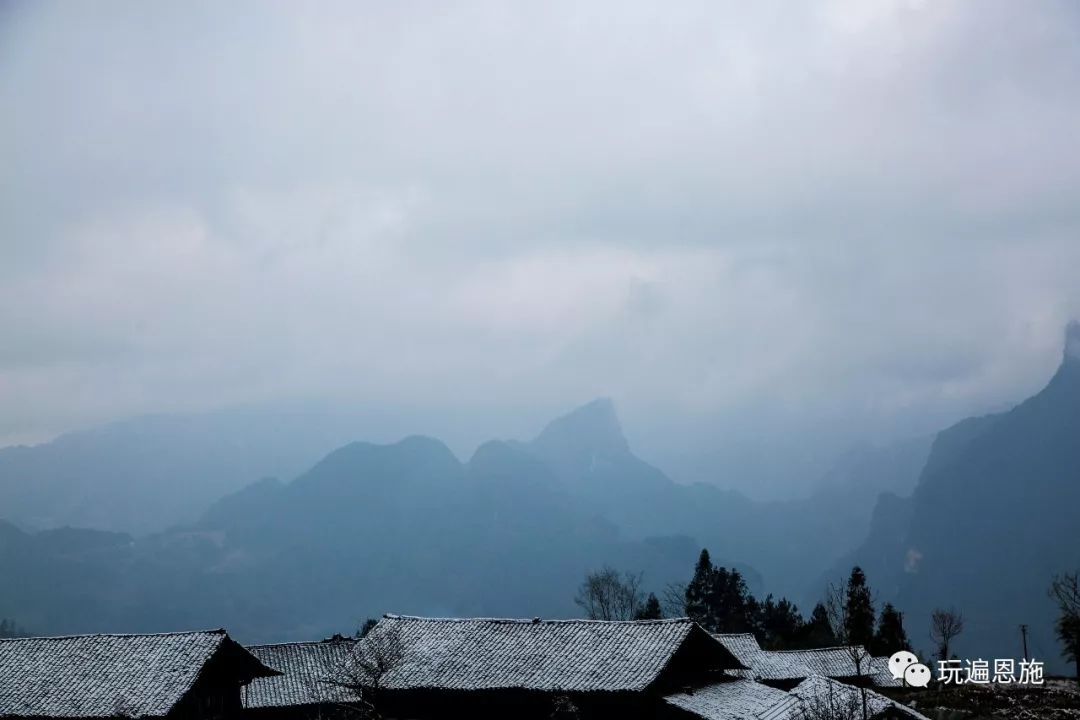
[368, 529]
[405, 527]
[145, 474]
[993, 513]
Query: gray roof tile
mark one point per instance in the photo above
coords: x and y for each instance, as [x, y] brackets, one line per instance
[309, 674]
[825, 692]
[546, 655]
[734, 700]
[105, 675]
[835, 662]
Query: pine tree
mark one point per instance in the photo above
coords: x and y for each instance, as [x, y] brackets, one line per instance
[651, 610]
[718, 600]
[891, 637]
[756, 620]
[818, 632]
[698, 605]
[860, 610]
[728, 601]
[779, 624]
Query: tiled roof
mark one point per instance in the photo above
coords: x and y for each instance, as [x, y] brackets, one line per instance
[742, 644]
[108, 675]
[882, 676]
[813, 697]
[818, 691]
[734, 700]
[546, 655]
[309, 674]
[835, 662]
[745, 647]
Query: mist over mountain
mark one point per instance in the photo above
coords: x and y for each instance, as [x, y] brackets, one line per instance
[144, 474]
[786, 541]
[995, 515]
[368, 529]
[311, 311]
[408, 527]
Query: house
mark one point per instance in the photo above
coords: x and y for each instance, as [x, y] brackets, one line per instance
[312, 680]
[734, 700]
[822, 697]
[180, 676]
[498, 668]
[785, 669]
[815, 698]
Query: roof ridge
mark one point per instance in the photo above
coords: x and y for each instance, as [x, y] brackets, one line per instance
[537, 621]
[830, 647]
[215, 631]
[294, 643]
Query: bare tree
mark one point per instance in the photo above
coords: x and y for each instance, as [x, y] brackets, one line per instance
[1065, 589]
[563, 708]
[353, 680]
[607, 595]
[945, 625]
[831, 705]
[674, 600]
[836, 607]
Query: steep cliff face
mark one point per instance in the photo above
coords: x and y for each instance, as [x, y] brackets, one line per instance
[995, 515]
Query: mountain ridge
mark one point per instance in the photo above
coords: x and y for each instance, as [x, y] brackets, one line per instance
[408, 526]
[990, 520]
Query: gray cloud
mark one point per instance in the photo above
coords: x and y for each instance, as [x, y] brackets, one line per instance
[736, 220]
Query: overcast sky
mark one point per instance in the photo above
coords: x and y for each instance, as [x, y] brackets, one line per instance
[745, 220]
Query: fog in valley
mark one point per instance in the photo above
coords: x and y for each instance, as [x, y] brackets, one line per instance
[437, 307]
[770, 234]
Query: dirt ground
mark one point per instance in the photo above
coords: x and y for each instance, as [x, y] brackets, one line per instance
[1058, 699]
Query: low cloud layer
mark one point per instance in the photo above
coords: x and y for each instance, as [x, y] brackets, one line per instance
[738, 220]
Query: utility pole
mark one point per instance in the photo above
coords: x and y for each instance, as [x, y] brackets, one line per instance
[1023, 634]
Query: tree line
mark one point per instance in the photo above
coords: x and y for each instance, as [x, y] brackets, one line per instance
[718, 599]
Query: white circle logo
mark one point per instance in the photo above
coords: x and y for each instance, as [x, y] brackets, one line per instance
[900, 661]
[917, 675]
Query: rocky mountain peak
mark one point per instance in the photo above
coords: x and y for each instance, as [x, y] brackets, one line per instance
[592, 428]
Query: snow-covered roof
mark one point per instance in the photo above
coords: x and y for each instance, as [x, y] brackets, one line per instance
[309, 674]
[832, 662]
[822, 693]
[735, 700]
[544, 655]
[881, 675]
[779, 665]
[745, 647]
[90, 676]
[816, 696]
